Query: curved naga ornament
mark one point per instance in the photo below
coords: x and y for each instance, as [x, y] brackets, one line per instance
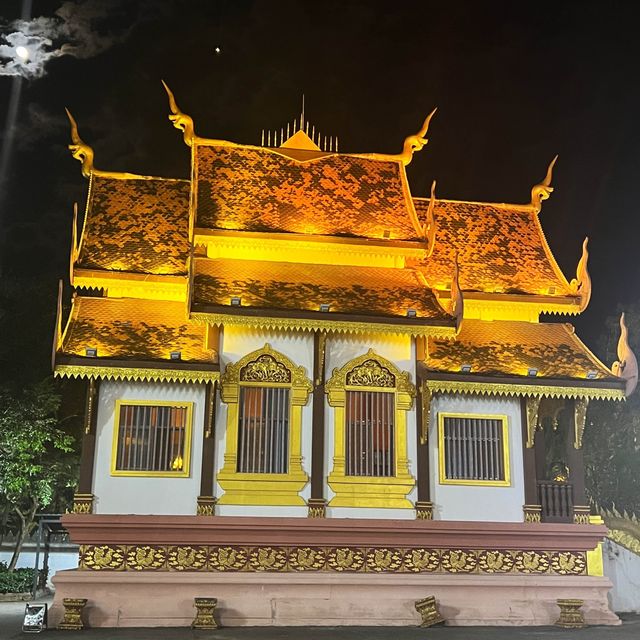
[581, 284]
[457, 299]
[80, 150]
[415, 142]
[626, 366]
[543, 190]
[180, 120]
[426, 231]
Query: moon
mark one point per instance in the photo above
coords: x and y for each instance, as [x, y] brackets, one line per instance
[22, 53]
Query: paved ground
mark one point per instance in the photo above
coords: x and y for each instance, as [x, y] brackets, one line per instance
[11, 614]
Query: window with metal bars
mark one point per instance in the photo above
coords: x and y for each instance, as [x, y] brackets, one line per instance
[263, 430]
[152, 439]
[369, 433]
[473, 449]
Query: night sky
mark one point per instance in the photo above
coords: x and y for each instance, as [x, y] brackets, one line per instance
[514, 83]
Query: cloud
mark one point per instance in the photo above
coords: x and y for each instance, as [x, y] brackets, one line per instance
[82, 29]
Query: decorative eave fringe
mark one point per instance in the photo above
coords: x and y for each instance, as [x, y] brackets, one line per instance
[134, 373]
[515, 389]
[336, 326]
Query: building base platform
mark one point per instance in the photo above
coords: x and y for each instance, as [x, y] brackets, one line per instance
[154, 599]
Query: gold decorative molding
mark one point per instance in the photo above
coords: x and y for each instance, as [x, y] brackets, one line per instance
[532, 513]
[626, 366]
[426, 396]
[515, 389]
[542, 190]
[211, 558]
[98, 371]
[533, 405]
[82, 503]
[265, 367]
[581, 285]
[581, 514]
[424, 510]
[369, 371]
[319, 324]
[206, 505]
[317, 508]
[580, 417]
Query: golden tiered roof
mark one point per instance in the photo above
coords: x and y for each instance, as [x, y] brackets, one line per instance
[138, 225]
[500, 249]
[299, 237]
[507, 348]
[362, 291]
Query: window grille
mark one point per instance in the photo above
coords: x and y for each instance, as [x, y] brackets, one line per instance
[263, 430]
[370, 433]
[152, 438]
[474, 449]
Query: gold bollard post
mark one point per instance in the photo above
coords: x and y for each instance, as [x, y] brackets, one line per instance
[428, 609]
[72, 619]
[204, 613]
[570, 615]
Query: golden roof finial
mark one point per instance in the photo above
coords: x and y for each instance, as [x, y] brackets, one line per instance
[457, 299]
[180, 120]
[415, 142]
[581, 284]
[79, 149]
[542, 190]
[626, 366]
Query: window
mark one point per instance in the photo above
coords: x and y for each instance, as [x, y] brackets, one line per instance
[473, 449]
[370, 433]
[264, 392]
[152, 439]
[370, 397]
[263, 430]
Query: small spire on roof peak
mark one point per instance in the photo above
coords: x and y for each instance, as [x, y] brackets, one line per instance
[300, 134]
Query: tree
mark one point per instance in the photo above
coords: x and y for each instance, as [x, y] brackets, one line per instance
[612, 434]
[37, 457]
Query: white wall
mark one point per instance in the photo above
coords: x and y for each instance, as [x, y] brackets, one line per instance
[237, 342]
[459, 502]
[622, 567]
[340, 350]
[139, 495]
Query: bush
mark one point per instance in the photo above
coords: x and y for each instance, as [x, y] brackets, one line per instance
[16, 581]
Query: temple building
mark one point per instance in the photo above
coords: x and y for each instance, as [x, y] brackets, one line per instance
[320, 398]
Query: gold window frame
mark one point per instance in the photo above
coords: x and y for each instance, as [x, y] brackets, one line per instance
[371, 372]
[280, 489]
[506, 455]
[186, 454]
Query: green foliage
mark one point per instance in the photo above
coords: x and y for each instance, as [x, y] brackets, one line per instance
[612, 434]
[37, 457]
[32, 446]
[16, 581]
